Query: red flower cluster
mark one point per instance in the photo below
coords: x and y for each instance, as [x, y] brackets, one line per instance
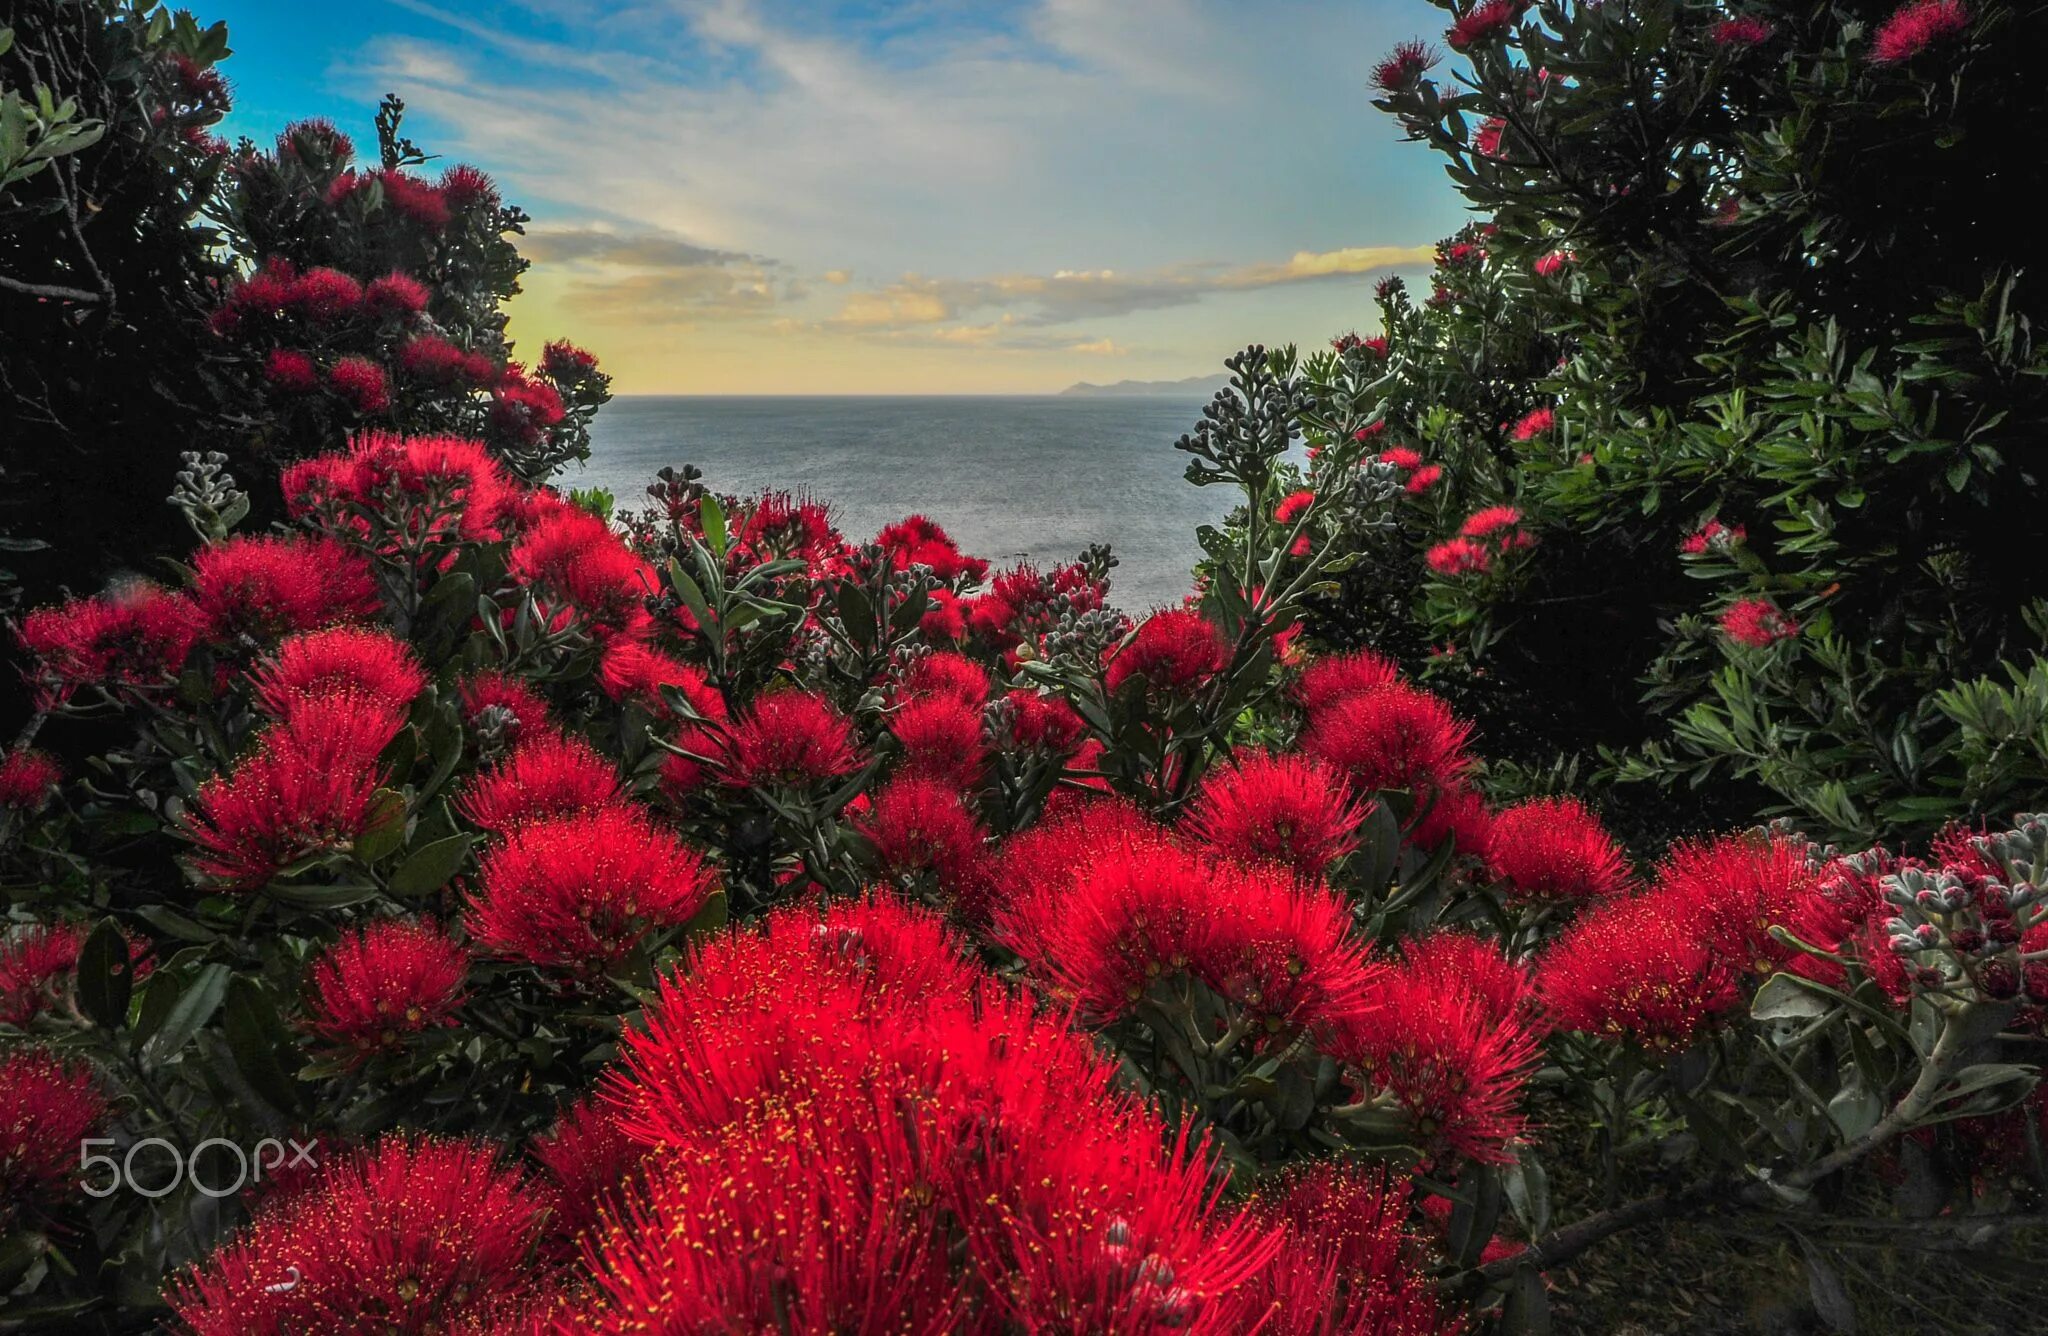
[1554, 849]
[336, 667]
[267, 587]
[1552, 264]
[1484, 22]
[136, 639]
[1459, 556]
[918, 541]
[1656, 968]
[1444, 1056]
[1915, 26]
[1406, 63]
[1129, 907]
[1293, 811]
[36, 966]
[1537, 422]
[1741, 32]
[306, 788]
[788, 739]
[547, 776]
[574, 558]
[1349, 1263]
[921, 828]
[47, 1107]
[28, 778]
[1174, 650]
[1392, 737]
[574, 895]
[393, 978]
[1713, 536]
[408, 1236]
[852, 1122]
[1757, 622]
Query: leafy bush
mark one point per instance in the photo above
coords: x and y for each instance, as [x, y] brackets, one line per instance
[1091, 975]
[1745, 343]
[163, 291]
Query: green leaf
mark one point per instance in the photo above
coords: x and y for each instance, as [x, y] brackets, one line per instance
[193, 1009]
[106, 975]
[428, 868]
[1855, 1109]
[342, 896]
[386, 830]
[261, 1044]
[713, 517]
[1784, 997]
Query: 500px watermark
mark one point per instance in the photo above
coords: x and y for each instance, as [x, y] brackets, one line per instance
[267, 1156]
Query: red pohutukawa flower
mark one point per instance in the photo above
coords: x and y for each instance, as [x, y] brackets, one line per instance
[1406, 63]
[1425, 1045]
[1349, 1264]
[1757, 622]
[1459, 556]
[1537, 423]
[632, 671]
[407, 1236]
[920, 827]
[390, 979]
[788, 738]
[450, 485]
[1627, 970]
[947, 674]
[270, 587]
[574, 556]
[1144, 910]
[1474, 968]
[1288, 511]
[1490, 521]
[305, 788]
[1734, 889]
[1041, 722]
[548, 775]
[137, 639]
[1293, 810]
[1423, 479]
[851, 1121]
[1484, 22]
[360, 382]
[1741, 32]
[1332, 677]
[918, 541]
[1455, 813]
[47, 1107]
[396, 295]
[941, 737]
[1393, 737]
[1914, 27]
[1554, 849]
[1713, 536]
[291, 371]
[1174, 650]
[575, 895]
[591, 1163]
[36, 966]
[521, 710]
[369, 667]
[1552, 264]
[28, 778]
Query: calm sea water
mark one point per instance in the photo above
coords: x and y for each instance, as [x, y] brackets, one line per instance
[1009, 478]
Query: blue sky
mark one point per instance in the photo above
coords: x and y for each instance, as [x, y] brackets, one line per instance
[753, 196]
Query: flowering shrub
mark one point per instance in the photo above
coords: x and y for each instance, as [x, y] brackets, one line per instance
[710, 918]
[163, 290]
[1760, 398]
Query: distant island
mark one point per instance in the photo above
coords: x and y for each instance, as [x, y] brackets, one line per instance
[1193, 385]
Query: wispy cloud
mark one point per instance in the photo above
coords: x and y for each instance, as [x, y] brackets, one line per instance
[1065, 180]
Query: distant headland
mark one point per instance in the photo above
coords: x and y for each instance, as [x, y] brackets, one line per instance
[1193, 385]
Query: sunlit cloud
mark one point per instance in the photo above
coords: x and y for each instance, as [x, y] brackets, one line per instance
[722, 187]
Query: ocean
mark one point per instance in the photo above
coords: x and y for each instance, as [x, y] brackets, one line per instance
[1010, 478]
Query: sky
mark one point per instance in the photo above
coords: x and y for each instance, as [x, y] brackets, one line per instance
[925, 197]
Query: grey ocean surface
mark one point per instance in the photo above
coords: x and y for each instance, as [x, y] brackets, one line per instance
[1036, 478]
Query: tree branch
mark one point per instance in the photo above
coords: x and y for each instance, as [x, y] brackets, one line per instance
[50, 290]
